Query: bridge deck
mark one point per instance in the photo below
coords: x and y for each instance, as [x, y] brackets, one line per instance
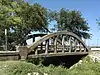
[57, 54]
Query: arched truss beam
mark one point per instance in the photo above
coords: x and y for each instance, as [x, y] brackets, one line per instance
[56, 39]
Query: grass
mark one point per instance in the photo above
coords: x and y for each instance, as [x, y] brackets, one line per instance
[87, 67]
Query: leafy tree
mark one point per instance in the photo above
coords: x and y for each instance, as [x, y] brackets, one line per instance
[33, 18]
[7, 17]
[71, 21]
[21, 18]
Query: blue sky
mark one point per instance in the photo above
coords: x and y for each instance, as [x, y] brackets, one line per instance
[89, 8]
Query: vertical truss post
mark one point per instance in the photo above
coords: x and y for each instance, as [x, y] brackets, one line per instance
[63, 40]
[36, 51]
[70, 44]
[75, 45]
[55, 45]
[41, 46]
[47, 46]
[52, 44]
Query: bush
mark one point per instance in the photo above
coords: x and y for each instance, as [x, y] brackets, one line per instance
[35, 61]
[87, 67]
[17, 68]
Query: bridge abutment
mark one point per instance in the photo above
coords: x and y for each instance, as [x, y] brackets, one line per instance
[23, 52]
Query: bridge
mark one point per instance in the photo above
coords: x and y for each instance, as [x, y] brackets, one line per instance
[57, 44]
[56, 48]
[52, 45]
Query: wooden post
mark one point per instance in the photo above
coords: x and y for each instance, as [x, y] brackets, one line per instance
[41, 46]
[47, 47]
[55, 45]
[75, 44]
[70, 44]
[63, 50]
[36, 52]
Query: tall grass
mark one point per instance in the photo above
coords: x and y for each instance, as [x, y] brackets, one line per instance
[87, 67]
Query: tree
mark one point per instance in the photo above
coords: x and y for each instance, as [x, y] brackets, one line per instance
[33, 18]
[7, 17]
[71, 21]
[21, 18]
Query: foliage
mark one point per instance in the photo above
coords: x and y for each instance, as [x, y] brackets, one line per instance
[17, 68]
[71, 20]
[36, 61]
[21, 18]
[7, 20]
[87, 67]
[33, 18]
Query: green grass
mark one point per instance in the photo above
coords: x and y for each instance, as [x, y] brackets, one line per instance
[87, 67]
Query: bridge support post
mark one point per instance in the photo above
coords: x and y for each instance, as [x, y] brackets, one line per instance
[36, 52]
[63, 50]
[75, 45]
[70, 44]
[55, 45]
[47, 47]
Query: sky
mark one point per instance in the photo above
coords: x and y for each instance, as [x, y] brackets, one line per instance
[89, 8]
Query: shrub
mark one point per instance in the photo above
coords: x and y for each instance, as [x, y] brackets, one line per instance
[87, 67]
